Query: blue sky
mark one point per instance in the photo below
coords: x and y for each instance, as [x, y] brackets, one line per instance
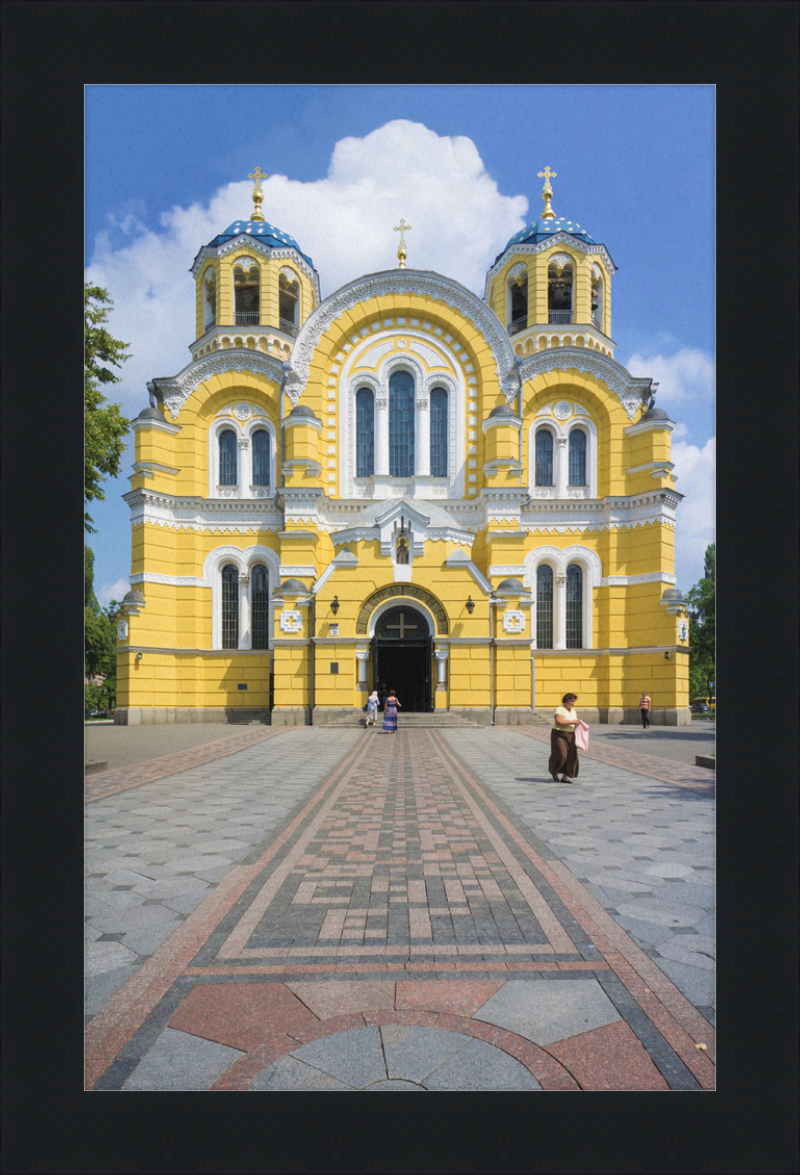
[167, 166]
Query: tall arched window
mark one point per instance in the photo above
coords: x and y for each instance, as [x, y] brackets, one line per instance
[401, 424]
[518, 295]
[259, 580]
[230, 607]
[574, 607]
[227, 457]
[438, 432]
[261, 457]
[544, 457]
[246, 294]
[559, 291]
[544, 607]
[577, 457]
[365, 432]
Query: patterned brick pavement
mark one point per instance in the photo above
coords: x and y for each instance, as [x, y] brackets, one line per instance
[401, 909]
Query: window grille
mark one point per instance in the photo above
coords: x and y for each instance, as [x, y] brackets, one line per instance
[227, 458]
[261, 457]
[401, 425]
[544, 607]
[230, 607]
[574, 607]
[544, 457]
[260, 606]
[365, 433]
[577, 457]
[438, 432]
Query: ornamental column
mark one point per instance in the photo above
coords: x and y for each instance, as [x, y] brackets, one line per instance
[560, 613]
[422, 438]
[362, 656]
[441, 668]
[562, 467]
[245, 641]
[381, 436]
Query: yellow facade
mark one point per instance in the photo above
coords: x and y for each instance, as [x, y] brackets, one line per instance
[470, 497]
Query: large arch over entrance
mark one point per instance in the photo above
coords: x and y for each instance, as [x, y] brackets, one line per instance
[402, 657]
[408, 591]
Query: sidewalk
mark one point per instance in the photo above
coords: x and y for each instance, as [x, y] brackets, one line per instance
[420, 911]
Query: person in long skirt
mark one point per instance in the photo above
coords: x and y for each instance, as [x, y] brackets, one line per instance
[372, 708]
[563, 752]
[390, 712]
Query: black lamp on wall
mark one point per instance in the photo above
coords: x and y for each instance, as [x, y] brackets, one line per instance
[470, 605]
[335, 605]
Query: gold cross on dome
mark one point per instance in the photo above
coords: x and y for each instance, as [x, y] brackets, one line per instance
[258, 175]
[547, 174]
[402, 625]
[547, 192]
[402, 252]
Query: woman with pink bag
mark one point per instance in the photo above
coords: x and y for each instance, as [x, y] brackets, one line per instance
[568, 734]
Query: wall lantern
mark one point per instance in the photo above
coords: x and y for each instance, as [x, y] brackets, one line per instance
[335, 605]
[138, 656]
[470, 605]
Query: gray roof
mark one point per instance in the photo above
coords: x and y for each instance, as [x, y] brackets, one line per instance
[436, 516]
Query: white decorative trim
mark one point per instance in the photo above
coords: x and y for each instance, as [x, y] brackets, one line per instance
[654, 466]
[345, 559]
[248, 241]
[560, 559]
[291, 621]
[400, 602]
[561, 433]
[159, 425]
[462, 561]
[493, 421]
[300, 569]
[633, 391]
[560, 260]
[507, 570]
[400, 283]
[648, 426]
[176, 391]
[559, 238]
[562, 410]
[513, 620]
[630, 580]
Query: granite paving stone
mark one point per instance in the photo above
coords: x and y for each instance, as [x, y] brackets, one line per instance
[481, 1066]
[543, 1012]
[178, 1061]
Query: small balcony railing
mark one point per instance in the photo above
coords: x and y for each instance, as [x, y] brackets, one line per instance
[245, 318]
[597, 320]
[517, 324]
[287, 326]
[559, 316]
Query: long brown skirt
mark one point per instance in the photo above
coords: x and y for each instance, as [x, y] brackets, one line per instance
[563, 754]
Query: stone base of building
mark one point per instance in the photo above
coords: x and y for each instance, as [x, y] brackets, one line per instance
[291, 716]
[325, 714]
[163, 715]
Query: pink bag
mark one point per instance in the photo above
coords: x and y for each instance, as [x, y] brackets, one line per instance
[582, 736]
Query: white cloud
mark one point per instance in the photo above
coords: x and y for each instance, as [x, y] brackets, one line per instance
[344, 222]
[112, 591]
[695, 470]
[682, 378]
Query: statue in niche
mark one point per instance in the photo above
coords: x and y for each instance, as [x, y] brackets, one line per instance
[402, 549]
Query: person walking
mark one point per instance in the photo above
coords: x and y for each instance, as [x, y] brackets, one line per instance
[645, 704]
[390, 713]
[563, 752]
[372, 708]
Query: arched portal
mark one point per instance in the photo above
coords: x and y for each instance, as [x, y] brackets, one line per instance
[402, 652]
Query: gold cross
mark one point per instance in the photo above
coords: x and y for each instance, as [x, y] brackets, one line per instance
[402, 252]
[402, 625]
[547, 174]
[258, 175]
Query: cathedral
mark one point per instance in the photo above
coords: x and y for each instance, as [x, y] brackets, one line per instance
[403, 486]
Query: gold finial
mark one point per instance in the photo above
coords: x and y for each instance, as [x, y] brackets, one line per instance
[547, 193]
[258, 175]
[402, 252]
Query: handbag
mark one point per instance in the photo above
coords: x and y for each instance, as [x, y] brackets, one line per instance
[582, 736]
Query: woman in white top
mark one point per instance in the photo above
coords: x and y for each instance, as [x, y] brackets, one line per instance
[372, 708]
[563, 752]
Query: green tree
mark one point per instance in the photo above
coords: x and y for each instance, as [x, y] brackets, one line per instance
[105, 426]
[702, 628]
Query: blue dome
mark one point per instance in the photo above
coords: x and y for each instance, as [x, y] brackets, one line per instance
[260, 230]
[541, 229]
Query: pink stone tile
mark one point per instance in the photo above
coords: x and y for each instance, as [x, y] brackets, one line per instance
[343, 998]
[459, 996]
[240, 1015]
[609, 1058]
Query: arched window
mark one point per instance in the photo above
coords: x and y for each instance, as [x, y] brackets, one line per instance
[559, 292]
[246, 293]
[259, 609]
[577, 457]
[227, 457]
[544, 457]
[401, 424]
[261, 457]
[288, 303]
[544, 607]
[518, 295]
[574, 607]
[438, 432]
[209, 299]
[230, 607]
[365, 432]
[597, 300]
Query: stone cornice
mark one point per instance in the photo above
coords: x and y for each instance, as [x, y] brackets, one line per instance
[402, 282]
[560, 238]
[633, 391]
[175, 391]
[247, 241]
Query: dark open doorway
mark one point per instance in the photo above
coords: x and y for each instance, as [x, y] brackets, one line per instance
[402, 658]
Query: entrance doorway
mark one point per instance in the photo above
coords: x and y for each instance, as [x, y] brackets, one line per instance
[402, 652]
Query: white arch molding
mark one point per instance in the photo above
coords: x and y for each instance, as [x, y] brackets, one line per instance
[559, 559]
[401, 602]
[561, 430]
[244, 559]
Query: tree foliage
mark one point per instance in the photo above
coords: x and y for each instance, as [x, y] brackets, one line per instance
[105, 426]
[702, 628]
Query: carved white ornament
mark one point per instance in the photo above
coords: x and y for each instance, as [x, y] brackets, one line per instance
[244, 442]
[291, 621]
[402, 343]
[242, 411]
[122, 630]
[683, 630]
[562, 410]
[400, 282]
[632, 391]
[176, 392]
[513, 620]
[560, 260]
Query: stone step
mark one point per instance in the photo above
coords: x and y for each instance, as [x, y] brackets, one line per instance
[406, 721]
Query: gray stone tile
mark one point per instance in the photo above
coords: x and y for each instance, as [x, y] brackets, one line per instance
[179, 1061]
[354, 1056]
[696, 983]
[141, 918]
[695, 949]
[393, 1086]
[99, 989]
[481, 1066]
[544, 1011]
[106, 956]
[292, 1075]
[413, 1052]
[662, 913]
